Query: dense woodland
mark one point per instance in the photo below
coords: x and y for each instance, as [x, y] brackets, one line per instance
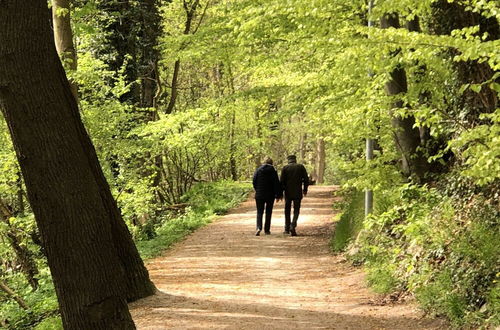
[183, 98]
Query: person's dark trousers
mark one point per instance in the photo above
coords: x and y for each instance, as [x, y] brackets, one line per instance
[291, 224]
[268, 206]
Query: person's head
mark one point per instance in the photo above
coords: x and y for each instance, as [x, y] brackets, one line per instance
[268, 161]
[292, 159]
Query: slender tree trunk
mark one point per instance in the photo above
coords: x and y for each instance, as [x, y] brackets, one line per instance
[63, 35]
[86, 242]
[302, 147]
[232, 147]
[190, 8]
[149, 55]
[173, 90]
[320, 161]
[232, 142]
[314, 172]
[20, 192]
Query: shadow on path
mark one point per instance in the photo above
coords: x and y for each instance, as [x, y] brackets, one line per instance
[224, 277]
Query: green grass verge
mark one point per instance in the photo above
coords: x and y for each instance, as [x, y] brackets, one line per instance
[350, 221]
[207, 201]
[442, 249]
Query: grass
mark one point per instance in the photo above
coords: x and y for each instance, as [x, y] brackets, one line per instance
[350, 222]
[207, 201]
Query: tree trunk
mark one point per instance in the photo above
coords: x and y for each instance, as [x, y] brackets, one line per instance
[320, 161]
[20, 193]
[63, 36]
[232, 142]
[406, 136]
[232, 148]
[190, 9]
[449, 16]
[302, 147]
[89, 250]
[149, 55]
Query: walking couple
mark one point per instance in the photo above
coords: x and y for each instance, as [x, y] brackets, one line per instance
[268, 188]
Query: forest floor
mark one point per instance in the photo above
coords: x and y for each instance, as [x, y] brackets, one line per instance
[222, 276]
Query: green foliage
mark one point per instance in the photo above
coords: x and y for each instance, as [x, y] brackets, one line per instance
[381, 276]
[172, 231]
[350, 221]
[481, 148]
[271, 77]
[42, 302]
[441, 249]
[50, 323]
[206, 201]
[216, 197]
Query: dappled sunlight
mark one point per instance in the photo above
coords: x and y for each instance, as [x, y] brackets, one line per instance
[222, 276]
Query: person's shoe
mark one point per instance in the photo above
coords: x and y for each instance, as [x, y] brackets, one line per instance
[286, 232]
[267, 233]
[293, 232]
[257, 233]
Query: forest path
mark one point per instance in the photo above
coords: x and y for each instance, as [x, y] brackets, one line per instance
[222, 276]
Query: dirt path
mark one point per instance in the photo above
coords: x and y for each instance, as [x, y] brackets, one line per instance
[223, 276]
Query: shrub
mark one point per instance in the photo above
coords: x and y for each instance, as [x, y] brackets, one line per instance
[441, 248]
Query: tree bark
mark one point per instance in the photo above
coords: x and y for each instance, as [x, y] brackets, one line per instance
[320, 161]
[302, 147]
[406, 136]
[63, 35]
[449, 16]
[232, 142]
[149, 55]
[232, 148]
[94, 263]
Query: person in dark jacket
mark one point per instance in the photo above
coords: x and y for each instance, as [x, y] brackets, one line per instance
[294, 181]
[267, 188]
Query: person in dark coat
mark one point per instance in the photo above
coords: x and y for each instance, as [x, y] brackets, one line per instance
[267, 188]
[294, 181]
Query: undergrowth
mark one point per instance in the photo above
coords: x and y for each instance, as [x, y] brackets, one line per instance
[350, 221]
[435, 245]
[203, 202]
[206, 201]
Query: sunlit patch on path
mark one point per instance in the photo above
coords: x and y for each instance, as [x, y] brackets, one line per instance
[223, 276]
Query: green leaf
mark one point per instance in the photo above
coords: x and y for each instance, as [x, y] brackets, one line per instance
[476, 87]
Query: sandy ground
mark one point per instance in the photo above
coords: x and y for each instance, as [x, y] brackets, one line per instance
[224, 277]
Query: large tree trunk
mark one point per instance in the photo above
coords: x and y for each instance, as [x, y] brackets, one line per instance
[63, 36]
[406, 136]
[92, 258]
